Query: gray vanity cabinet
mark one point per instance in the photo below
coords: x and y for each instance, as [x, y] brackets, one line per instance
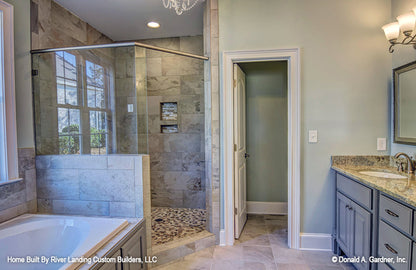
[344, 224]
[353, 221]
[353, 229]
[132, 245]
[135, 248]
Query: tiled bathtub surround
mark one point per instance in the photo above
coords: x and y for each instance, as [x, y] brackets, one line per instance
[20, 197]
[113, 185]
[170, 224]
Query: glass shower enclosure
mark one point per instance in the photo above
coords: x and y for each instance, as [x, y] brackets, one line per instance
[90, 100]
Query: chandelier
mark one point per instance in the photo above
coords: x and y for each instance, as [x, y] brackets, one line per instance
[402, 31]
[180, 5]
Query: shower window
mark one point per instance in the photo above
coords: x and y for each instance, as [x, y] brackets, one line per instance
[82, 115]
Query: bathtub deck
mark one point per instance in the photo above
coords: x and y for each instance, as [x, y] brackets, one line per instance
[170, 224]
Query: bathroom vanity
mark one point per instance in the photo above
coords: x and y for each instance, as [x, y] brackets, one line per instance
[375, 215]
[132, 245]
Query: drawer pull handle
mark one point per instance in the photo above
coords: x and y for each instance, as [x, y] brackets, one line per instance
[389, 248]
[391, 213]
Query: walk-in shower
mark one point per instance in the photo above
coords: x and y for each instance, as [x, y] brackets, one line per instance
[129, 98]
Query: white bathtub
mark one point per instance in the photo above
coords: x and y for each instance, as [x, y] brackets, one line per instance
[52, 235]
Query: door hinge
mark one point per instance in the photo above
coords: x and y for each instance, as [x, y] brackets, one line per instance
[234, 83]
[235, 147]
[35, 72]
[235, 210]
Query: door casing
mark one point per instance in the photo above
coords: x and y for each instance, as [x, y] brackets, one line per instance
[292, 56]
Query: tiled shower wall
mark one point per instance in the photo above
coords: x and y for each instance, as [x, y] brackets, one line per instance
[53, 26]
[19, 197]
[177, 160]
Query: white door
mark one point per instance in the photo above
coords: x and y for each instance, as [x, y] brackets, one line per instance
[240, 155]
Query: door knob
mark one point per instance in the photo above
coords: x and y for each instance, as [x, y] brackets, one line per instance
[246, 155]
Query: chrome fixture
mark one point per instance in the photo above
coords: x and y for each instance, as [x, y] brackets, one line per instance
[405, 24]
[180, 5]
[410, 164]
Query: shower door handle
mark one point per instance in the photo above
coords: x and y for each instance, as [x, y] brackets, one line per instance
[246, 155]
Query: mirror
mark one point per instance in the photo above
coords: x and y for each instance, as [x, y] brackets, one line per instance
[404, 80]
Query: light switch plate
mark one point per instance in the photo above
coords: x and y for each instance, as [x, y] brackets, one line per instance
[381, 144]
[313, 136]
[130, 108]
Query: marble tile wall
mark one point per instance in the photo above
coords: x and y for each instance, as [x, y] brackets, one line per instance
[19, 197]
[177, 160]
[212, 117]
[53, 26]
[110, 185]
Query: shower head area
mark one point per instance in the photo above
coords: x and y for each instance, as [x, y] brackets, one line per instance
[125, 99]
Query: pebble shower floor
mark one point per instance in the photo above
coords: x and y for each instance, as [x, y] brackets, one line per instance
[169, 224]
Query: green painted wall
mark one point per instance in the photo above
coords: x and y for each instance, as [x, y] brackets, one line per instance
[345, 72]
[266, 88]
[24, 110]
[401, 56]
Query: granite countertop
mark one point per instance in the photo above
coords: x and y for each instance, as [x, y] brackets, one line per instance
[401, 189]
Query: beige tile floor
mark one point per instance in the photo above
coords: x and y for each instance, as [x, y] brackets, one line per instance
[262, 245]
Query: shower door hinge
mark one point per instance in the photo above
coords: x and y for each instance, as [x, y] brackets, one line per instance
[235, 147]
[235, 210]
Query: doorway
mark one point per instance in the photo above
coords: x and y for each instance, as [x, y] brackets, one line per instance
[260, 125]
[291, 56]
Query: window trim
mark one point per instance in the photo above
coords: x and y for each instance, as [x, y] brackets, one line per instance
[7, 74]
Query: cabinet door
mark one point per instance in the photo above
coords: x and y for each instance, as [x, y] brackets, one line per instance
[134, 247]
[112, 266]
[344, 224]
[361, 234]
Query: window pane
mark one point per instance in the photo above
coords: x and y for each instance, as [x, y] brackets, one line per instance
[70, 66]
[75, 120]
[68, 121]
[90, 72]
[71, 92]
[97, 122]
[62, 120]
[59, 64]
[98, 144]
[60, 92]
[69, 145]
[99, 99]
[91, 97]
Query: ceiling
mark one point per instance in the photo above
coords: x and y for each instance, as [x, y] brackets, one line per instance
[126, 19]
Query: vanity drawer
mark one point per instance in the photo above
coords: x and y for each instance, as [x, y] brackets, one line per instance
[396, 214]
[392, 244]
[357, 192]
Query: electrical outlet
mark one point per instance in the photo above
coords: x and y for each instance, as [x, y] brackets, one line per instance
[313, 136]
[381, 144]
[130, 108]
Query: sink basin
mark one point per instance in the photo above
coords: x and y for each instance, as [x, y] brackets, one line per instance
[383, 174]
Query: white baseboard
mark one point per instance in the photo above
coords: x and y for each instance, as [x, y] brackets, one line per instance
[222, 237]
[271, 208]
[315, 241]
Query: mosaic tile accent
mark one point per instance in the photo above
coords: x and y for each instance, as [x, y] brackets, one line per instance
[169, 224]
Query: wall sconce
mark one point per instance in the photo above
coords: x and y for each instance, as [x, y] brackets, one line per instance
[405, 24]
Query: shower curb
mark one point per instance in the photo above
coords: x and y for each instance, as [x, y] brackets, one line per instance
[177, 249]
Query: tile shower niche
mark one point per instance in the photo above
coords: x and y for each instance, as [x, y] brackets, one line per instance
[169, 113]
